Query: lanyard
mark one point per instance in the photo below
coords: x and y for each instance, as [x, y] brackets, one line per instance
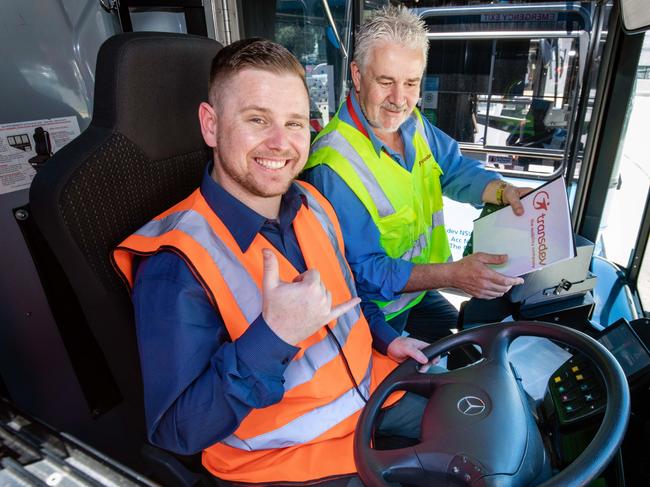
[359, 125]
[355, 117]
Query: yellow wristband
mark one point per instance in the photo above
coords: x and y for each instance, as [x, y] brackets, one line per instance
[499, 194]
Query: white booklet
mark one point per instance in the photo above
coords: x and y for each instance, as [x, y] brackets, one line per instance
[541, 236]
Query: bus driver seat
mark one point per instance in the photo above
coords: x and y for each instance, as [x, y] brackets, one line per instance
[142, 152]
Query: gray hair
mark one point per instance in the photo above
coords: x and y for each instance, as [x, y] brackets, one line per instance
[391, 24]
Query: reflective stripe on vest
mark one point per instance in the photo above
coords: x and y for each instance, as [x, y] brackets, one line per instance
[437, 219]
[328, 226]
[308, 426]
[400, 303]
[339, 143]
[419, 126]
[193, 223]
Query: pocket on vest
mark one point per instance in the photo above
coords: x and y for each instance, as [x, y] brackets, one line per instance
[397, 231]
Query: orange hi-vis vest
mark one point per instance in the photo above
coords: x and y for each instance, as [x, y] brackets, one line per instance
[308, 434]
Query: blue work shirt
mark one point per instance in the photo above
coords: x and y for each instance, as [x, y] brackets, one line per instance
[378, 276]
[199, 384]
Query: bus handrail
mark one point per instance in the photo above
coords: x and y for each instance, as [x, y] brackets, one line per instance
[504, 34]
[552, 154]
[330, 19]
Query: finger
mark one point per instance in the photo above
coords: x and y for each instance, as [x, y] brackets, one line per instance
[517, 206]
[488, 292]
[417, 355]
[423, 369]
[481, 294]
[494, 295]
[298, 278]
[271, 277]
[486, 258]
[419, 344]
[496, 292]
[328, 300]
[500, 280]
[494, 281]
[489, 295]
[342, 308]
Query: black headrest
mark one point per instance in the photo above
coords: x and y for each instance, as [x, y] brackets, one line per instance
[146, 92]
[141, 153]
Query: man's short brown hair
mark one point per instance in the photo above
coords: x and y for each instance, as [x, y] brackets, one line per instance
[253, 53]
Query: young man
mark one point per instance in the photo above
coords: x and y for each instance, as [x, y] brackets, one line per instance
[252, 343]
[385, 169]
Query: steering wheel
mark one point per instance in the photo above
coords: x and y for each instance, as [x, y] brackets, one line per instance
[478, 428]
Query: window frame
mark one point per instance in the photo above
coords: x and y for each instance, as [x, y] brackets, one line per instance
[584, 38]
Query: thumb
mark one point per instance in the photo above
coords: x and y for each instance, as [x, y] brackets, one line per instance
[271, 277]
[517, 207]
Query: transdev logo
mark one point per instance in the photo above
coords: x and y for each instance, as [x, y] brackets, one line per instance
[541, 201]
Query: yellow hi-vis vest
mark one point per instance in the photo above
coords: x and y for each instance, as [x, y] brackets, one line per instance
[405, 206]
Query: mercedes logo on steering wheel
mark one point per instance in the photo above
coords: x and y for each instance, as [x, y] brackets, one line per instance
[471, 405]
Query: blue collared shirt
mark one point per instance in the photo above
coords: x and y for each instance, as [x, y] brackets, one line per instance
[199, 384]
[377, 275]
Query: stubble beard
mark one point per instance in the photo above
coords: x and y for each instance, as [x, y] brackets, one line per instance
[247, 181]
[376, 125]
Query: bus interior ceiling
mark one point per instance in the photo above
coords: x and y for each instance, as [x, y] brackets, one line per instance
[533, 90]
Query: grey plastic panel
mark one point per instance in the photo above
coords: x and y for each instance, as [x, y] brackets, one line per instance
[48, 51]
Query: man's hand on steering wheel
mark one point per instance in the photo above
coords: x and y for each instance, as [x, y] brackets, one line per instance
[403, 348]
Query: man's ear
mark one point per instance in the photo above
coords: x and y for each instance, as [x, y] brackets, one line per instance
[356, 76]
[208, 121]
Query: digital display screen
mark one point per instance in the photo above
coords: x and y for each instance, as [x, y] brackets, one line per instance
[627, 348]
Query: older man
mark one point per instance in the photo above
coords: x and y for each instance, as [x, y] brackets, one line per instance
[385, 169]
[252, 343]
